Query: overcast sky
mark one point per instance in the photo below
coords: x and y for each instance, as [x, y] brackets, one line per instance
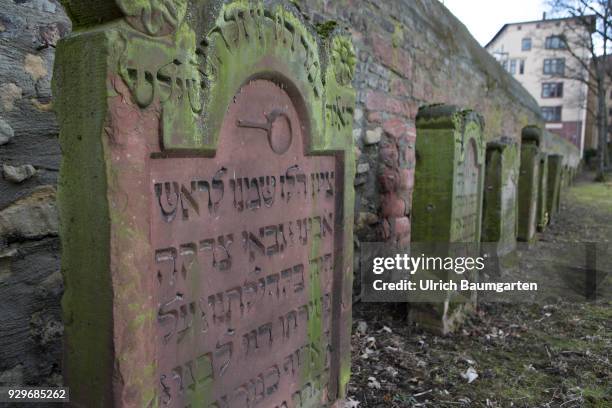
[485, 17]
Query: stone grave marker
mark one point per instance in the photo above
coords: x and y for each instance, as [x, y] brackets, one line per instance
[529, 180]
[448, 192]
[206, 201]
[542, 211]
[555, 162]
[565, 176]
[499, 219]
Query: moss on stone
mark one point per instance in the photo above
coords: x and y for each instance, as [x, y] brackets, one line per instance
[326, 28]
[81, 94]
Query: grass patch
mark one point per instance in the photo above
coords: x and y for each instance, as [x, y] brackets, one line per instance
[593, 194]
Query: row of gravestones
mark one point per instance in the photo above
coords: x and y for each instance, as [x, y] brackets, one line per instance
[206, 202]
[466, 192]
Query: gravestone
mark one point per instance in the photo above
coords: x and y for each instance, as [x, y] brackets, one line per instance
[447, 196]
[499, 217]
[529, 180]
[564, 176]
[206, 198]
[542, 211]
[555, 162]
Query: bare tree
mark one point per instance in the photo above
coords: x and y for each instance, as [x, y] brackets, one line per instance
[588, 38]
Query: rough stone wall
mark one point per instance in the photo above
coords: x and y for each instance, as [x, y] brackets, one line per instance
[30, 281]
[411, 52]
[553, 144]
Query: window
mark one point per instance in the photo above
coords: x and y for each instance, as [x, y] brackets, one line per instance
[555, 42]
[554, 66]
[526, 44]
[552, 89]
[551, 113]
[512, 68]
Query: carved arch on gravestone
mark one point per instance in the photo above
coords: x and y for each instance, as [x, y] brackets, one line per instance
[250, 41]
[471, 131]
[473, 149]
[194, 71]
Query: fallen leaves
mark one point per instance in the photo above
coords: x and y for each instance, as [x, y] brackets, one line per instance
[505, 349]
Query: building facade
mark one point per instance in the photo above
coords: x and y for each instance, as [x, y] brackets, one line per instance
[591, 137]
[536, 54]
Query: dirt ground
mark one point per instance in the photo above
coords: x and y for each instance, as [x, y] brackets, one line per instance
[555, 353]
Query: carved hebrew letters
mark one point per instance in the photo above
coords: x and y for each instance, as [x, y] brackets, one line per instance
[158, 73]
[154, 17]
[244, 260]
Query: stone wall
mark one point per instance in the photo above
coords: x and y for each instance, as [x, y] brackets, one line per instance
[30, 281]
[410, 53]
[553, 144]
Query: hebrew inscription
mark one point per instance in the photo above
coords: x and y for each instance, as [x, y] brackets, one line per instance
[243, 261]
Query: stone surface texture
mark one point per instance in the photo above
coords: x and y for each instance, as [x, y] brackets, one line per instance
[499, 219]
[542, 208]
[529, 183]
[19, 173]
[553, 184]
[30, 279]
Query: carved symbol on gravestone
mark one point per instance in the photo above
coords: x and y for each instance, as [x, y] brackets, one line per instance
[278, 130]
[343, 57]
[154, 17]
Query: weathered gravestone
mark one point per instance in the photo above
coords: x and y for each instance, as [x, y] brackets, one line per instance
[447, 197]
[555, 162]
[500, 196]
[568, 181]
[206, 205]
[529, 180]
[542, 209]
[564, 176]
